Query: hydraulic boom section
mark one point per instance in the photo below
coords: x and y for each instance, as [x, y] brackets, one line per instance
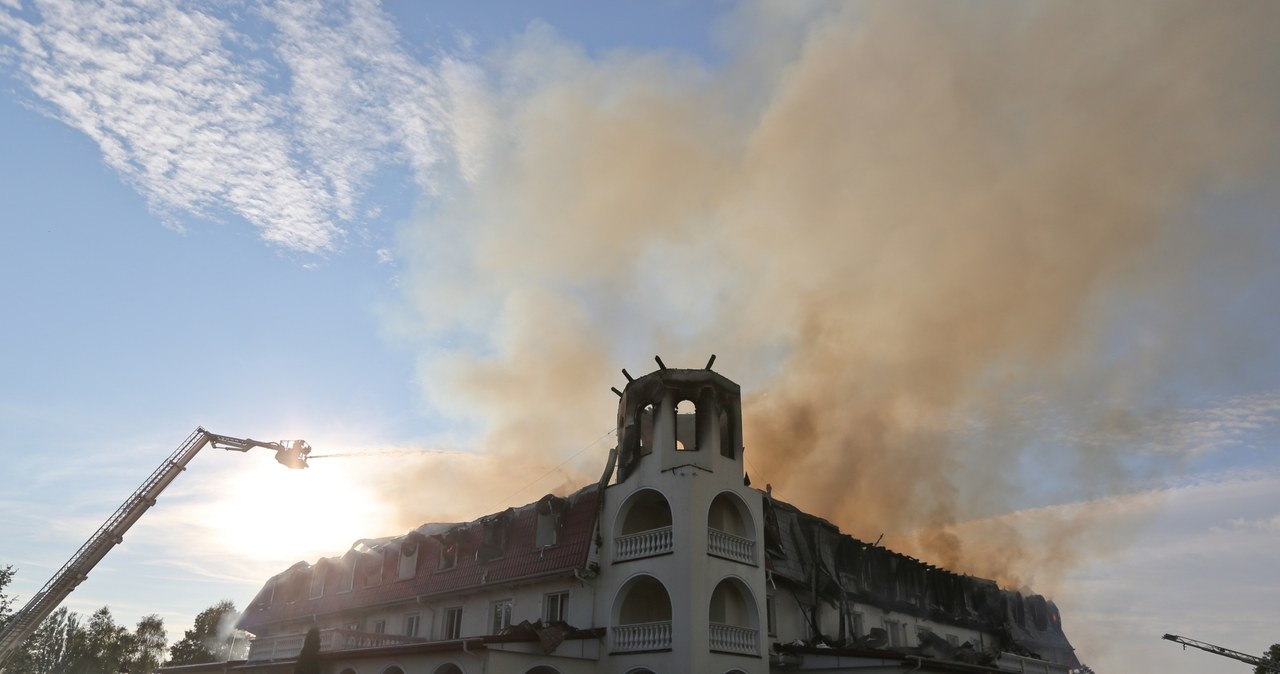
[292, 454]
[1261, 663]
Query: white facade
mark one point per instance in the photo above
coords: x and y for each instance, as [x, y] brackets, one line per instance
[667, 566]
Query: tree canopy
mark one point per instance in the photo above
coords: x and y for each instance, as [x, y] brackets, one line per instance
[211, 639]
[63, 643]
[1273, 656]
[309, 658]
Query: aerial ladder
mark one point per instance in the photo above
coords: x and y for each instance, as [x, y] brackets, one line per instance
[292, 454]
[1261, 663]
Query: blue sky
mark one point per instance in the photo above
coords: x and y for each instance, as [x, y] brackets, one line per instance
[1000, 271]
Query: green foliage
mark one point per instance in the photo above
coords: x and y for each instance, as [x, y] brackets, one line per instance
[6, 602]
[48, 649]
[64, 644]
[1272, 655]
[211, 639]
[149, 645]
[309, 658]
[105, 645]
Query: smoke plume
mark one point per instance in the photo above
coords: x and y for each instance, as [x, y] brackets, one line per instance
[931, 240]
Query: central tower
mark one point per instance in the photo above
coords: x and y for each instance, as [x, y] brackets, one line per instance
[681, 531]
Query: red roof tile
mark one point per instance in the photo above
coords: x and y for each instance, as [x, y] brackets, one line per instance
[522, 559]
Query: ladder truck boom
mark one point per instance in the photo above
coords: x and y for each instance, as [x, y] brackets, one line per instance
[292, 454]
[1261, 663]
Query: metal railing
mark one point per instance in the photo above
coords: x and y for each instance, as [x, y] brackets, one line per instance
[642, 544]
[729, 546]
[654, 636]
[734, 639]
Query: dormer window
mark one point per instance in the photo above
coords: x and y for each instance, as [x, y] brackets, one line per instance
[449, 550]
[317, 581]
[268, 594]
[373, 569]
[408, 557]
[348, 578]
[550, 511]
[493, 544]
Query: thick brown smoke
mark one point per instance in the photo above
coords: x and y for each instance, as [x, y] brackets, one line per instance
[898, 225]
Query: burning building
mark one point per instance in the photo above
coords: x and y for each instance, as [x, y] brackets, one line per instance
[670, 563]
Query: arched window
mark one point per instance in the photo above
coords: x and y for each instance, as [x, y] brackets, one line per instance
[393, 669]
[348, 670]
[646, 428]
[643, 526]
[448, 668]
[543, 669]
[686, 426]
[647, 509]
[734, 622]
[731, 531]
[641, 616]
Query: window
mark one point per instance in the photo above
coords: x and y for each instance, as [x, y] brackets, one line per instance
[408, 558]
[726, 435]
[555, 607]
[379, 626]
[686, 426]
[449, 552]
[771, 614]
[317, 581]
[452, 626]
[269, 593]
[857, 625]
[550, 510]
[348, 574]
[646, 429]
[897, 636]
[493, 542]
[499, 616]
[373, 569]
[412, 624]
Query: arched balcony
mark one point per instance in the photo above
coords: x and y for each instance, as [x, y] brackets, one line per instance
[730, 529]
[641, 617]
[734, 625]
[643, 527]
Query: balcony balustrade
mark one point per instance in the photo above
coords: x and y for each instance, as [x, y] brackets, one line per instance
[729, 546]
[734, 639]
[642, 544]
[288, 646]
[655, 636]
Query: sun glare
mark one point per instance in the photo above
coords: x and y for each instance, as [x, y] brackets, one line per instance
[270, 513]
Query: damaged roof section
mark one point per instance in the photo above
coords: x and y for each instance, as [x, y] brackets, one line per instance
[548, 537]
[822, 564]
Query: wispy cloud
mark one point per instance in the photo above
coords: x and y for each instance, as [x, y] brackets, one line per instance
[188, 106]
[155, 86]
[1233, 422]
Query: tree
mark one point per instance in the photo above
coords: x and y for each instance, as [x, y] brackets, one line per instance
[1273, 656]
[6, 602]
[210, 639]
[48, 649]
[309, 658]
[149, 645]
[102, 645]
